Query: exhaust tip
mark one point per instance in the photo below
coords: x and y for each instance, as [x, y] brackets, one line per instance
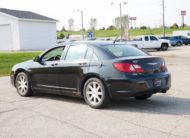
[163, 91]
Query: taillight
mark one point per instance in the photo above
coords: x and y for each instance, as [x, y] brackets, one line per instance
[128, 67]
[163, 67]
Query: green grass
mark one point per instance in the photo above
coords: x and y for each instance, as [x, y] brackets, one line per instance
[7, 60]
[134, 32]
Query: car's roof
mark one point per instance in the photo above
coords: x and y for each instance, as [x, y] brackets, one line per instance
[93, 43]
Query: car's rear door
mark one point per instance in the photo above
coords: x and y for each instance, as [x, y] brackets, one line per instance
[73, 67]
[146, 42]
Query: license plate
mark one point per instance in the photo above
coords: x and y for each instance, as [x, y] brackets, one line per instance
[157, 82]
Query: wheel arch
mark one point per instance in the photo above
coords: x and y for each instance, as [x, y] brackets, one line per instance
[164, 43]
[87, 77]
[166, 46]
[17, 72]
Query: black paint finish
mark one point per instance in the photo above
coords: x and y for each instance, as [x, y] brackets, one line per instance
[68, 77]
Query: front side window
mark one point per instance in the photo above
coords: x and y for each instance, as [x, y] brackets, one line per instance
[152, 38]
[76, 53]
[53, 55]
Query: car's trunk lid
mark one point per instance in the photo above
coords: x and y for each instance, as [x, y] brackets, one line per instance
[150, 64]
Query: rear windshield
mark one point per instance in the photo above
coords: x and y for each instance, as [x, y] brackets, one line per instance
[124, 51]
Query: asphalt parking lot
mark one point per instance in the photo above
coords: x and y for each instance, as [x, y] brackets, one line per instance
[164, 115]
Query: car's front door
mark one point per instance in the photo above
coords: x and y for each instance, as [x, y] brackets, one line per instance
[154, 42]
[44, 74]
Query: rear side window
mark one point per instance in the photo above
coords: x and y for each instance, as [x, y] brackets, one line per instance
[124, 51]
[76, 52]
[90, 55]
[146, 38]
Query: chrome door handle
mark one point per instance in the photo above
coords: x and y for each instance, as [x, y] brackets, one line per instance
[82, 63]
[54, 64]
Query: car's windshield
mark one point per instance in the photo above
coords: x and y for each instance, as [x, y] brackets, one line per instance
[124, 50]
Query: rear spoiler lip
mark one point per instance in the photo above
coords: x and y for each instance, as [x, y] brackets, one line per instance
[137, 57]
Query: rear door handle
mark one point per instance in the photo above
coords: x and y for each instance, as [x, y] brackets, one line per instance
[54, 64]
[82, 63]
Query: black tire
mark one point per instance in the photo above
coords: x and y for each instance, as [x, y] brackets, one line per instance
[179, 44]
[143, 97]
[88, 93]
[22, 84]
[164, 47]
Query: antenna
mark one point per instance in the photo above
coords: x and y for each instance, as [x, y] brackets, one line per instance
[115, 39]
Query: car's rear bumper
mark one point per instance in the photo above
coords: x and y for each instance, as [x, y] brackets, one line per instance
[133, 86]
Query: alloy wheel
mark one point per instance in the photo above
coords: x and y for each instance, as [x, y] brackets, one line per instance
[94, 93]
[22, 84]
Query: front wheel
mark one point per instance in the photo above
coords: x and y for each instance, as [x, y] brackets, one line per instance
[143, 97]
[95, 93]
[23, 85]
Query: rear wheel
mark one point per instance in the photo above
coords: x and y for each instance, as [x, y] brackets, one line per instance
[164, 47]
[143, 97]
[178, 43]
[23, 85]
[95, 94]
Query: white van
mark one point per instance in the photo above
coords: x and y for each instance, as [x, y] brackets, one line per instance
[182, 33]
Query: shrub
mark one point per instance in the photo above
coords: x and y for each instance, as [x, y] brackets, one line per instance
[60, 36]
[143, 27]
[174, 26]
[111, 27]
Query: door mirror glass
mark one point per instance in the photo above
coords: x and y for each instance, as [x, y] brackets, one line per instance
[36, 59]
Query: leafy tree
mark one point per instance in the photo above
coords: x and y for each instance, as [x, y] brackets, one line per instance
[143, 27]
[111, 27]
[117, 21]
[92, 24]
[63, 29]
[103, 28]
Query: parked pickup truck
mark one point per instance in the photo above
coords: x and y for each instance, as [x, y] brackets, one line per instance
[150, 42]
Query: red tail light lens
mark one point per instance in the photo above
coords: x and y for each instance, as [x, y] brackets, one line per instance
[129, 68]
[163, 67]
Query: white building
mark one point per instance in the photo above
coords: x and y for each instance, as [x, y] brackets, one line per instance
[24, 30]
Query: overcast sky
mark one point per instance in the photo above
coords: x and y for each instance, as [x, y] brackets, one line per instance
[148, 12]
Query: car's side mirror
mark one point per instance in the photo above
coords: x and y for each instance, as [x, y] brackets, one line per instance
[36, 59]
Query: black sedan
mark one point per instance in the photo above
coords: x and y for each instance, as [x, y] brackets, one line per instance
[96, 71]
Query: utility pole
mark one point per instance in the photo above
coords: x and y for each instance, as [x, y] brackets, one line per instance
[82, 21]
[82, 24]
[120, 12]
[183, 13]
[163, 17]
[121, 26]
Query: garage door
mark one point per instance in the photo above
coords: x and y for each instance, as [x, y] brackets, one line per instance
[5, 37]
